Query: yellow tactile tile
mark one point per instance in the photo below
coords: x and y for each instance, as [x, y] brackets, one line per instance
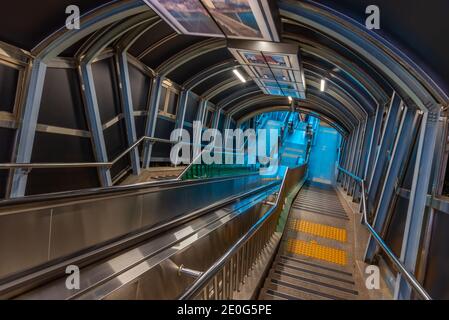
[319, 230]
[314, 250]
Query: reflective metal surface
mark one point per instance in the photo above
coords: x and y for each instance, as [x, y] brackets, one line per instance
[36, 232]
[228, 273]
[397, 263]
[151, 270]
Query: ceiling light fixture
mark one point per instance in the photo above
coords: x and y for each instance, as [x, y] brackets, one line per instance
[239, 75]
[323, 85]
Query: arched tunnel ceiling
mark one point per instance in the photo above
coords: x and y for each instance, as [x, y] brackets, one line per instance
[355, 85]
[419, 28]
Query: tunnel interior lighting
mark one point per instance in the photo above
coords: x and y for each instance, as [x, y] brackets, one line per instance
[323, 85]
[239, 75]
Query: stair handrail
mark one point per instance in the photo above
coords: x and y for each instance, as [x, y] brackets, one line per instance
[195, 288]
[56, 165]
[410, 278]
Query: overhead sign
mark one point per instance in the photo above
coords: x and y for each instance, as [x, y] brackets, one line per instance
[239, 19]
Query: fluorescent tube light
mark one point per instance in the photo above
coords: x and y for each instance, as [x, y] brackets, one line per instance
[239, 75]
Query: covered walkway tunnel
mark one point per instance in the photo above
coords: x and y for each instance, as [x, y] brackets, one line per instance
[224, 149]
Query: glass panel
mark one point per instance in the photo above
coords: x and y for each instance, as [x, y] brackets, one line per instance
[277, 60]
[187, 14]
[282, 75]
[172, 107]
[264, 73]
[274, 91]
[287, 86]
[253, 58]
[9, 78]
[235, 17]
[293, 94]
[267, 83]
[162, 99]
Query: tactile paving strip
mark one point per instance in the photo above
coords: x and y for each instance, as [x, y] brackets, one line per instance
[314, 250]
[320, 230]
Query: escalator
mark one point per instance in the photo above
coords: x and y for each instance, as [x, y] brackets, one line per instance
[132, 242]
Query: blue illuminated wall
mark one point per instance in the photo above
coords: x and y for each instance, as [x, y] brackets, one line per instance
[323, 156]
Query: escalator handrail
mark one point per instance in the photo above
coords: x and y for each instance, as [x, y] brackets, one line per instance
[410, 278]
[114, 191]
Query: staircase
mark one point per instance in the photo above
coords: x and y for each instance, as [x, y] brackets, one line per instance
[315, 259]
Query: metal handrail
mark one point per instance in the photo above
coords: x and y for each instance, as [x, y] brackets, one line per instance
[198, 156]
[56, 165]
[206, 276]
[398, 264]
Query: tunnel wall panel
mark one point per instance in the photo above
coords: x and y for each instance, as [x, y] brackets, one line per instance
[62, 104]
[61, 148]
[140, 88]
[436, 277]
[191, 109]
[116, 143]
[8, 78]
[105, 79]
[6, 146]
[164, 128]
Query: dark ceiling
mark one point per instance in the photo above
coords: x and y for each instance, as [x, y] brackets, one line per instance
[419, 28]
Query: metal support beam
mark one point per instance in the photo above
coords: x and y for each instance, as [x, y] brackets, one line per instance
[217, 115]
[27, 129]
[372, 153]
[402, 147]
[128, 109]
[385, 145]
[345, 156]
[365, 152]
[95, 125]
[352, 156]
[150, 128]
[180, 116]
[202, 111]
[227, 124]
[354, 191]
[418, 198]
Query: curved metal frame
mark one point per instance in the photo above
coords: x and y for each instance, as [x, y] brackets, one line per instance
[322, 117]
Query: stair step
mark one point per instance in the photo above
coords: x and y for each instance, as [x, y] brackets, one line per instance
[321, 267]
[313, 274]
[302, 292]
[315, 284]
[338, 216]
[294, 293]
[274, 295]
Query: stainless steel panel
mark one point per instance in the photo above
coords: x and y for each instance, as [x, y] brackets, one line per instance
[24, 240]
[90, 221]
[79, 226]
[109, 277]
